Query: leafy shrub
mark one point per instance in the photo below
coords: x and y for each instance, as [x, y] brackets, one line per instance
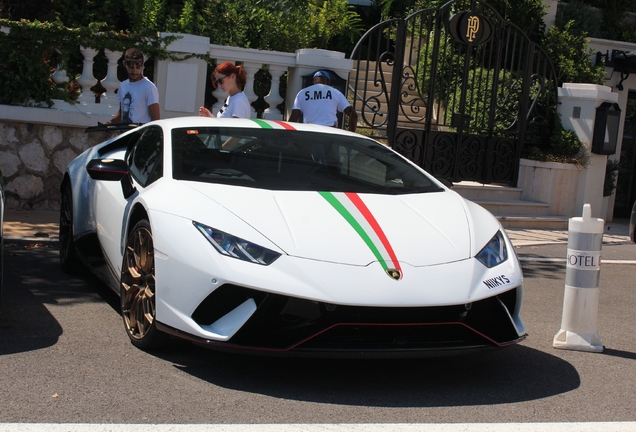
[282, 25]
[34, 50]
[558, 145]
[584, 19]
[571, 56]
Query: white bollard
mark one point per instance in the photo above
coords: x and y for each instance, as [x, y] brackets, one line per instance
[580, 301]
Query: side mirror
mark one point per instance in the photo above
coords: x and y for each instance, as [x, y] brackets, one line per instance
[112, 170]
[107, 169]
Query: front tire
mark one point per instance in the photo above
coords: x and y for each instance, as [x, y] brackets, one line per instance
[68, 255]
[137, 291]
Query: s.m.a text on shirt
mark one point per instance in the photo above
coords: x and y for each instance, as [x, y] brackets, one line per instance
[317, 95]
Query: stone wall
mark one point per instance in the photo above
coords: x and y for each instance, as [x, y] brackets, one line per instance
[33, 158]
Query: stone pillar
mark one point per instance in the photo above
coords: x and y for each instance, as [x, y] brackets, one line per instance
[111, 82]
[577, 107]
[87, 79]
[273, 98]
[251, 69]
[179, 82]
[59, 76]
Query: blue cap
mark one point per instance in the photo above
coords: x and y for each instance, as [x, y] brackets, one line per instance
[322, 73]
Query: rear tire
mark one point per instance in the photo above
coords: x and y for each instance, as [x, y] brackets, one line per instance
[137, 290]
[68, 254]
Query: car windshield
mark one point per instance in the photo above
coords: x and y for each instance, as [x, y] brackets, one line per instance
[293, 160]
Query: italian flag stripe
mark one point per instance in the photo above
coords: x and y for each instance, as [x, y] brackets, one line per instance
[366, 213]
[262, 123]
[356, 213]
[284, 124]
[266, 125]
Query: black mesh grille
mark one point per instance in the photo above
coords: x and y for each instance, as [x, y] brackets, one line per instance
[283, 323]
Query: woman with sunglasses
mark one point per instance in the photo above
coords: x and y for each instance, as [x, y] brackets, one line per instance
[231, 79]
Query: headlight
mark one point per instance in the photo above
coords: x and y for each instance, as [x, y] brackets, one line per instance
[235, 247]
[495, 252]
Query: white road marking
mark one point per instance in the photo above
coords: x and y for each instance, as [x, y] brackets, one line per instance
[363, 427]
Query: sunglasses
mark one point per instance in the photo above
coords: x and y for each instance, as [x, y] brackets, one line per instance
[220, 81]
[134, 64]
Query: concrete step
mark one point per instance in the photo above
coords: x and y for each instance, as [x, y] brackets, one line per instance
[372, 83]
[508, 207]
[408, 94]
[371, 68]
[402, 123]
[364, 65]
[514, 207]
[559, 223]
[412, 100]
[477, 191]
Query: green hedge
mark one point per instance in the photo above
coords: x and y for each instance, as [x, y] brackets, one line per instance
[33, 51]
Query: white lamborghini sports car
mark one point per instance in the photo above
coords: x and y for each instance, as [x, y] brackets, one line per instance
[276, 237]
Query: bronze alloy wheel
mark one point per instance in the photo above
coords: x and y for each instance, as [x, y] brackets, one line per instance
[138, 288]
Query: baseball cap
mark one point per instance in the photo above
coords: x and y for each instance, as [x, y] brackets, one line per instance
[322, 73]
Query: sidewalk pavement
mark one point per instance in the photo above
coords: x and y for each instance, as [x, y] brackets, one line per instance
[31, 224]
[42, 225]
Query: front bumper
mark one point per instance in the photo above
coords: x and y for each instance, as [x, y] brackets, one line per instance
[288, 325]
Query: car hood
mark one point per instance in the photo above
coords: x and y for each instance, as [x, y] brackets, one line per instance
[357, 229]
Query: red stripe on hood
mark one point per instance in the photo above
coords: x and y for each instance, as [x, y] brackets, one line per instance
[284, 124]
[364, 210]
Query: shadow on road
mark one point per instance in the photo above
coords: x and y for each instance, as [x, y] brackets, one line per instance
[510, 375]
[619, 353]
[542, 269]
[32, 280]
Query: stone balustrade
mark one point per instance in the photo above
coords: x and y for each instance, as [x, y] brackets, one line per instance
[36, 144]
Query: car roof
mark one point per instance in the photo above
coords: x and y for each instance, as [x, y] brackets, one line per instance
[252, 123]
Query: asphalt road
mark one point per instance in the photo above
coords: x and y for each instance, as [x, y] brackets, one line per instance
[64, 357]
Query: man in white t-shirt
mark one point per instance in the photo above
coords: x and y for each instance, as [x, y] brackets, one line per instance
[320, 103]
[138, 97]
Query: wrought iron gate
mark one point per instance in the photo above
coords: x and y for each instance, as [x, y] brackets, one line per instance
[456, 89]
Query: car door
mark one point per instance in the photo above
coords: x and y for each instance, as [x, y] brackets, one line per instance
[145, 163]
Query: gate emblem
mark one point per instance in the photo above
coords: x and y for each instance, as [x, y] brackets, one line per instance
[470, 28]
[473, 28]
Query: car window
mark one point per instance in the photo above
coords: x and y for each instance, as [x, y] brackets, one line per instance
[145, 158]
[293, 160]
[123, 142]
